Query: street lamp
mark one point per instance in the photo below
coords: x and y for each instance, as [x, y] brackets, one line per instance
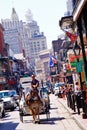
[76, 49]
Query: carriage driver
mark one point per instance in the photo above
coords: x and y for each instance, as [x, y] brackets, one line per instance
[34, 82]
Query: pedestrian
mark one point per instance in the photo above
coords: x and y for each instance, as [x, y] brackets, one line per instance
[84, 90]
[78, 94]
[18, 88]
[77, 89]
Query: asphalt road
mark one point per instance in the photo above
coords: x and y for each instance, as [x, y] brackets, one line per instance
[59, 119]
[10, 121]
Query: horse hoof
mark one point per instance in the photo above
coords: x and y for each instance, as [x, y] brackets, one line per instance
[34, 122]
[38, 122]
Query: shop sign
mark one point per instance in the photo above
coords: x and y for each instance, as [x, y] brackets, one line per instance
[79, 67]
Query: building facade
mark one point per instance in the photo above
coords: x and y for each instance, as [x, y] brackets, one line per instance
[24, 37]
[13, 34]
[42, 66]
[37, 41]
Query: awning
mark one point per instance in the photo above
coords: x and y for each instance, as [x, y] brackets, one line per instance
[78, 8]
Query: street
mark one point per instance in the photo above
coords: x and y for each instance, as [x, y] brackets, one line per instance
[59, 119]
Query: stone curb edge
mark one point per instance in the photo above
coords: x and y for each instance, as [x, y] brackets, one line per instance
[74, 117]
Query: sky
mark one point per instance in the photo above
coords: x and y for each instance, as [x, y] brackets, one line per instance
[47, 13]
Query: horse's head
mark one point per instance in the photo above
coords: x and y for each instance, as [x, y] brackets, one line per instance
[34, 92]
[27, 96]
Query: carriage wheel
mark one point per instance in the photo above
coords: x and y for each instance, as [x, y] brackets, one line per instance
[21, 118]
[48, 115]
[38, 122]
[47, 112]
[21, 115]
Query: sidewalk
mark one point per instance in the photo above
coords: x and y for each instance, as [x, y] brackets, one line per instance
[78, 118]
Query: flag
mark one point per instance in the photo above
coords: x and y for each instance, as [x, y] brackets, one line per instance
[53, 61]
[73, 37]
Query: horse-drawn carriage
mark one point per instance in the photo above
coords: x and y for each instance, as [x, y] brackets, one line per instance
[35, 105]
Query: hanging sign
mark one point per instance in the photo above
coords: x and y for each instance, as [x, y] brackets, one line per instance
[79, 66]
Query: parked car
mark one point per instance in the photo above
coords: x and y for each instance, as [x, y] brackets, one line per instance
[56, 90]
[57, 87]
[9, 102]
[16, 97]
[59, 84]
[2, 109]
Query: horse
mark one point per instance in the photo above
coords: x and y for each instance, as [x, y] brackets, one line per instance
[34, 102]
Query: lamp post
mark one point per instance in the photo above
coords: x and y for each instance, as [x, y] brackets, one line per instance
[76, 49]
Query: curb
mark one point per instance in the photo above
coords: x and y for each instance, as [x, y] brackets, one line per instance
[81, 124]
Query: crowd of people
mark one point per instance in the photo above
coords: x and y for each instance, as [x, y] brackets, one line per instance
[75, 94]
